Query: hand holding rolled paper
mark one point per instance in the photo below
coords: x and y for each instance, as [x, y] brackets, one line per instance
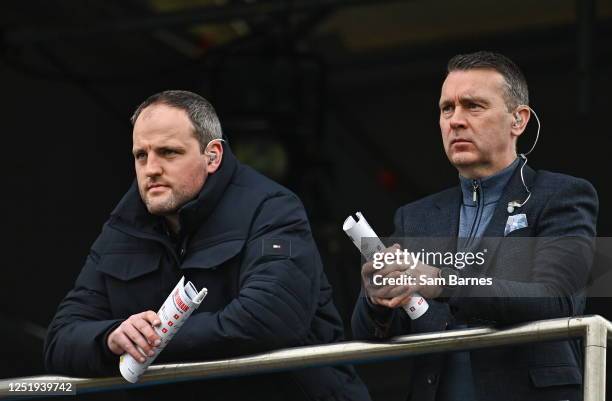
[366, 240]
[179, 305]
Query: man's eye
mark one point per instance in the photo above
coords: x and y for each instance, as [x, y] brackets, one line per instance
[446, 109]
[168, 152]
[473, 106]
[140, 155]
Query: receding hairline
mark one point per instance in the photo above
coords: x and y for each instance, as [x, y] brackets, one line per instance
[160, 102]
[504, 81]
[145, 111]
[201, 113]
[504, 85]
[516, 87]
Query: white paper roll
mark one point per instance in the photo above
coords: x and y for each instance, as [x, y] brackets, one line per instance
[359, 229]
[179, 305]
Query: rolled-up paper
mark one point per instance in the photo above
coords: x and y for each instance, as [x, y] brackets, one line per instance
[179, 305]
[359, 229]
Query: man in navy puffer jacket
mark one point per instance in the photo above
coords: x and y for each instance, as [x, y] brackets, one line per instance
[195, 211]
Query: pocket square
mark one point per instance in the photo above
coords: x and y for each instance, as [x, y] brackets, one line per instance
[515, 222]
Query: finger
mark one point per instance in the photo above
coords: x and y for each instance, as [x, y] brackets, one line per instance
[399, 262]
[124, 342]
[395, 283]
[138, 339]
[405, 301]
[400, 300]
[391, 248]
[112, 343]
[395, 302]
[380, 301]
[384, 302]
[388, 292]
[147, 331]
[151, 317]
[367, 270]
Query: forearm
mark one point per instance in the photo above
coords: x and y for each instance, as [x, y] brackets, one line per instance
[509, 302]
[76, 348]
[274, 309]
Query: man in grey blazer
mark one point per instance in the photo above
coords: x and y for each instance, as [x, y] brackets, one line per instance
[537, 228]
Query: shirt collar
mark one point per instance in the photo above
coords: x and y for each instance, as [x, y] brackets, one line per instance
[490, 188]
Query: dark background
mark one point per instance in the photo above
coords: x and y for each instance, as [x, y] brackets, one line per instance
[335, 99]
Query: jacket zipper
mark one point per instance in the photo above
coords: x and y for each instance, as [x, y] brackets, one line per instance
[476, 198]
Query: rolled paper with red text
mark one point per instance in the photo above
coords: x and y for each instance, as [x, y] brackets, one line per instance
[359, 229]
[180, 304]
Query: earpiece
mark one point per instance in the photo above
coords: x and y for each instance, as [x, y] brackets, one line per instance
[515, 204]
[212, 156]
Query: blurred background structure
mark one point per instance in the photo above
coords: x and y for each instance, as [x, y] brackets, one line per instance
[336, 99]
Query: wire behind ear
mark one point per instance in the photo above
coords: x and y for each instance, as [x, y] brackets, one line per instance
[212, 156]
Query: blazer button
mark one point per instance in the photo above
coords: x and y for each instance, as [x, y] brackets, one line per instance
[182, 252]
[431, 379]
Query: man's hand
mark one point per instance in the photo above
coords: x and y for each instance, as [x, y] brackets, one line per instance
[136, 331]
[393, 296]
[378, 292]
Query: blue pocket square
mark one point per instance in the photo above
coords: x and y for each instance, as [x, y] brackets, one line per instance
[515, 222]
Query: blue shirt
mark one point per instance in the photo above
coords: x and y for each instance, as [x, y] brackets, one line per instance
[479, 202]
[480, 198]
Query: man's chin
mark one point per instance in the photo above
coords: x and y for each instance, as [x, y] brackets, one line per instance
[160, 208]
[160, 211]
[463, 159]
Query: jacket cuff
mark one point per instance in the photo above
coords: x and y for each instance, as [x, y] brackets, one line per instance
[377, 311]
[381, 317]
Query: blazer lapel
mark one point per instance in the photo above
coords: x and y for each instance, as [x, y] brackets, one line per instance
[447, 226]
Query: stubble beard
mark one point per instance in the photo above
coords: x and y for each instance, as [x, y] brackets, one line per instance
[168, 205]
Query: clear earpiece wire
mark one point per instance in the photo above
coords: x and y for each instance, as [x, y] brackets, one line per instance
[524, 157]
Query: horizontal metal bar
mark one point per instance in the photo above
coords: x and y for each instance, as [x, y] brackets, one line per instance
[342, 353]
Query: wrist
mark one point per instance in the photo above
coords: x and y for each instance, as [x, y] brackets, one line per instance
[109, 346]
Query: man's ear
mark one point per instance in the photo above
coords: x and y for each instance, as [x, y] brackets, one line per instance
[520, 119]
[214, 156]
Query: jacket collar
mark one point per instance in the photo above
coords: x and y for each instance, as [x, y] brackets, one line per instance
[132, 211]
[514, 191]
[449, 203]
[491, 187]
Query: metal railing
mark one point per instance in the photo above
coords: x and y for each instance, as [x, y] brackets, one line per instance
[594, 330]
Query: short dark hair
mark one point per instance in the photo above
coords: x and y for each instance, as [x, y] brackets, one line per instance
[199, 110]
[517, 92]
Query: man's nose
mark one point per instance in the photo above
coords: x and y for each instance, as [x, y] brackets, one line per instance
[153, 167]
[457, 120]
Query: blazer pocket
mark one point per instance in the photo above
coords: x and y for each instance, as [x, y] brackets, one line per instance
[128, 266]
[547, 376]
[520, 232]
[212, 255]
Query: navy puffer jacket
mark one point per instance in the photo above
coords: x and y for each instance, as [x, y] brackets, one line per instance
[245, 238]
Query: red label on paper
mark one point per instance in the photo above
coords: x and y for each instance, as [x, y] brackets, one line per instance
[179, 302]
